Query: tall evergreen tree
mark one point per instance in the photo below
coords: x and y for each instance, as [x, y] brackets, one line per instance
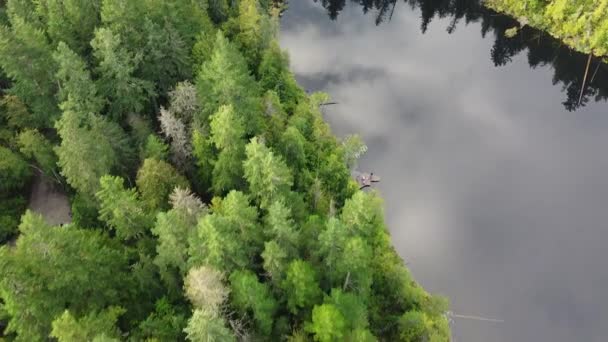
[70, 21]
[268, 176]
[26, 57]
[81, 270]
[225, 79]
[117, 83]
[91, 147]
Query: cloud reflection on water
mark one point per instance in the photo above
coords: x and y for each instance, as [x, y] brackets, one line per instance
[496, 196]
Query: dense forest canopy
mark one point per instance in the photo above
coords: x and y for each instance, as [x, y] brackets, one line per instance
[541, 48]
[209, 199]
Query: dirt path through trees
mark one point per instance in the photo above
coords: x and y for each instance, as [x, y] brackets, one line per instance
[47, 199]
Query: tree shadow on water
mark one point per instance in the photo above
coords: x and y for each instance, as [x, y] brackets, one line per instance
[542, 50]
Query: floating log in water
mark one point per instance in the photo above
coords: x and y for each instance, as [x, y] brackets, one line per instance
[477, 318]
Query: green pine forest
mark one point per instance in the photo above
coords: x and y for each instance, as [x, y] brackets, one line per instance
[581, 24]
[209, 199]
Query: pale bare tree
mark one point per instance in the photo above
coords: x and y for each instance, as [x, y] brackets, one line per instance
[205, 288]
[184, 101]
[186, 201]
[174, 129]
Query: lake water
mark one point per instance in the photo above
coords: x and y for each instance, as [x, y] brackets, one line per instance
[495, 179]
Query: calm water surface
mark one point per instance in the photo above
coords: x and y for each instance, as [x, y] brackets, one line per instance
[496, 182]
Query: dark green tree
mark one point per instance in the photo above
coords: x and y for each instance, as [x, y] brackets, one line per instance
[301, 286]
[82, 271]
[227, 134]
[156, 180]
[226, 239]
[91, 147]
[70, 21]
[26, 57]
[328, 324]
[249, 295]
[117, 83]
[206, 325]
[77, 92]
[173, 228]
[268, 177]
[93, 326]
[121, 209]
[14, 171]
[275, 75]
[225, 79]
[36, 147]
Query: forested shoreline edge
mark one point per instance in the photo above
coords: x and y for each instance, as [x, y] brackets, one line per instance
[209, 198]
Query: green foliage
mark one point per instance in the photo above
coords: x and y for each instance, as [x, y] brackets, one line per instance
[363, 214]
[155, 148]
[121, 208]
[10, 212]
[217, 244]
[23, 9]
[81, 270]
[275, 260]
[84, 212]
[331, 246]
[225, 79]
[306, 255]
[35, 146]
[156, 179]
[255, 30]
[248, 294]
[414, 326]
[293, 148]
[70, 21]
[301, 286]
[282, 229]
[581, 24]
[275, 75]
[354, 266]
[268, 176]
[206, 325]
[125, 92]
[226, 128]
[227, 135]
[167, 60]
[173, 229]
[352, 307]
[226, 239]
[204, 159]
[218, 10]
[91, 147]
[26, 57]
[67, 328]
[164, 324]
[16, 113]
[14, 171]
[78, 92]
[328, 324]
[203, 47]
[237, 209]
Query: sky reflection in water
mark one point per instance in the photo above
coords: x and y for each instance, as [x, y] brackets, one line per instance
[496, 195]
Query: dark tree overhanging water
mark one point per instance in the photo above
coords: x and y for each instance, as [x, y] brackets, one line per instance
[541, 49]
